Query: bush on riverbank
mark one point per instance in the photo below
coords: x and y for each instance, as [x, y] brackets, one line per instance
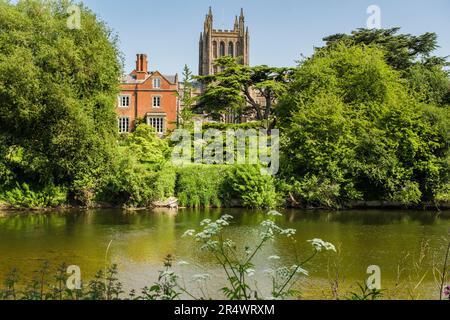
[141, 174]
[252, 188]
[219, 186]
[353, 129]
[22, 196]
[202, 186]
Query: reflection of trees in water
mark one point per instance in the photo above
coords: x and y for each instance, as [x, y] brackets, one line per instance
[141, 239]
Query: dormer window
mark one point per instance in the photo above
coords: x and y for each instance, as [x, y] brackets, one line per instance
[157, 83]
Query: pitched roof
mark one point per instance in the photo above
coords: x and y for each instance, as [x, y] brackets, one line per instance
[170, 78]
[130, 79]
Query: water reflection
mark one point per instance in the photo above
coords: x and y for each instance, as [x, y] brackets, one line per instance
[141, 240]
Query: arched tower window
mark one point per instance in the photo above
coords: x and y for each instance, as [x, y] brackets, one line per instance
[238, 48]
[215, 49]
[231, 49]
[222, 49]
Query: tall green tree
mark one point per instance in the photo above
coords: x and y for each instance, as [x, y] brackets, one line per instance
[233, 89]
[58, 91]
[352, 129]
[412, 55]
[187, 97]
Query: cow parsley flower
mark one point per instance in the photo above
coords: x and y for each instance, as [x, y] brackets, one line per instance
[320, 245]
[205, 222]
[288, 232]
[299, 269]
[227, 217]
[189, 233]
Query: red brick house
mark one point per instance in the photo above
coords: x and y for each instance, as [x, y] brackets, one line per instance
[148, 95]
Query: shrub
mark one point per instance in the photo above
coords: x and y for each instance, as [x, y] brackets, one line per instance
[140, 174]
[147, 147]
[351, 120]
[316, 192]
[202, 185]
[254, 189]
[131, 184]
[22, 196]
[165, 182]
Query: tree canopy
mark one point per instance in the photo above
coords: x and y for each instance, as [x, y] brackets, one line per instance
[58, 91]
[235, 89]
[402, 50]
[352, 126]
[412, 55]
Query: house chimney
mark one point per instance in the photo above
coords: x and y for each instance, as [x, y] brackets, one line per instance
[141, 66]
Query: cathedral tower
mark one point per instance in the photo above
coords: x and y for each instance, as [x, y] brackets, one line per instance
[217, 43]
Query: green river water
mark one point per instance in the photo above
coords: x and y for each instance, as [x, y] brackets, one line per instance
[406, 245]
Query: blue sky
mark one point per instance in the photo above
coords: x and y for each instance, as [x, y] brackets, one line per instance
[280, 31]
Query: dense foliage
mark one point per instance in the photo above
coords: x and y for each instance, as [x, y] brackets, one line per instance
[202, 186]
[141, 173]
[365, 118]
[352, 127]
[411, 55]
[253, 189]
[57, 89]
[234, 90]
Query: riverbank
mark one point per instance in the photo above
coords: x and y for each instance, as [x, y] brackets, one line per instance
[172, 203]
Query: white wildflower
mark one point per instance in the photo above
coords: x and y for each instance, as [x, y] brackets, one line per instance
[288, 232]
[320, 245]
[222, 223]
[227, 217]
[189, 233]
[229, 244]
[299, 269]
[167, 273]
[205, 222]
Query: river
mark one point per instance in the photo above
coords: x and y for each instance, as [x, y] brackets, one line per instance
[406, 245]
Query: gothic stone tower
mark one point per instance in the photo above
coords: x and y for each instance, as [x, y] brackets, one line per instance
[217, 43]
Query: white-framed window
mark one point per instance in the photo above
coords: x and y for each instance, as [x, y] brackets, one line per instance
[124, 101]
[156, 102]
[124, 124]
[157, 83]
[157, 123]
